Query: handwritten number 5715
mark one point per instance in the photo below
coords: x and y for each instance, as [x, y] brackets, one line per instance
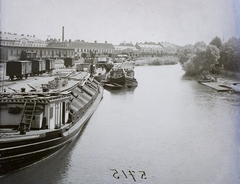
[131, 173]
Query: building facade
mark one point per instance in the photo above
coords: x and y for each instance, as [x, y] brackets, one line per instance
[81, 47]
[149, 48]
[13, 44]
[129, 50]
[168, 47]
[13, 39]
[156, 49]
[14, 52]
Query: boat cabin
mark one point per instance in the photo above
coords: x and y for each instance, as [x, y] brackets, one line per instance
[35, 111]
[117, 73]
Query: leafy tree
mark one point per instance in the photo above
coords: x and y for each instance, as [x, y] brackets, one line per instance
[223, 57]
[230, 54]
[200, 46]
[184, 53]
[189, 67]
[204, 61]
[182, 58]
[217, 42]
[212, 54]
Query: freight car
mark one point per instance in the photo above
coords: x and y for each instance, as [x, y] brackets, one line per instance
[27, 55]
[38, 67]
[18, 69]
[68, 62]
[50, 65]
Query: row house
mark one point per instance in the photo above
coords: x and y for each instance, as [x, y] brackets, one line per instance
[149, 48]
[14, 52]
[13, 39]
[168, 47]
[129, 50]
[81, 47]
[13, 44]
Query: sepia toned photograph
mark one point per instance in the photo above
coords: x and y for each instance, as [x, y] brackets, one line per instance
[120, 91]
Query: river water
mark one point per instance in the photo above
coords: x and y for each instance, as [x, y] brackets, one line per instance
[168, 130]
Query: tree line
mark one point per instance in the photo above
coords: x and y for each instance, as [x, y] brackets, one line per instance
[202, 59]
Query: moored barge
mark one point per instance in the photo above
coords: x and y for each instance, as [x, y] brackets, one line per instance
[40, 116]
[122, 74]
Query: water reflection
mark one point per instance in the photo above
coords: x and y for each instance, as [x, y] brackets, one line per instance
[122, 91]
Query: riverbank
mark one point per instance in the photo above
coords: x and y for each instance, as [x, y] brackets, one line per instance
[165, 60]
[235, 74]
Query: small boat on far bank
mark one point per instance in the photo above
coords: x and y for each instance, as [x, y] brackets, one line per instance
[234, 88]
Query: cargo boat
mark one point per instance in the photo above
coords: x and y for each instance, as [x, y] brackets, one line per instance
[41, 115]
[122, 74]
[98, 73]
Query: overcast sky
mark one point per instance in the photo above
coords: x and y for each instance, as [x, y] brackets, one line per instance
[176, 21]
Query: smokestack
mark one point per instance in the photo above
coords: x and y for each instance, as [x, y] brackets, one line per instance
[63, 34]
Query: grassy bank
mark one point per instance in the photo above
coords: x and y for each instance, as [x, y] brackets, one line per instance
[166, 60]
[233, 74]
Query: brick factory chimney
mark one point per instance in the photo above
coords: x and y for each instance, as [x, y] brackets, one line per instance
[63, 34]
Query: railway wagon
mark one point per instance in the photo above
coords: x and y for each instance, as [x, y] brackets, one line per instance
[38, 67]
[68, 62]
[18, 69]
[83, 67]
[50, 65]
[27, 55]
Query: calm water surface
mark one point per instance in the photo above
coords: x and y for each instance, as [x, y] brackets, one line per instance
[168, 130]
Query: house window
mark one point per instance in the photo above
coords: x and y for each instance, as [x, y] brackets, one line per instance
[51, 112]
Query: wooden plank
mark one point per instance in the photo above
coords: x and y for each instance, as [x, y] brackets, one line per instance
[215, 85]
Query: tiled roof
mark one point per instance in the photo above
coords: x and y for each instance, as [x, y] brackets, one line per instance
[59, 44]
[15, 37]
[150, 46]
[166, 44]
[91, 45]
[83, 45]
[120, 47]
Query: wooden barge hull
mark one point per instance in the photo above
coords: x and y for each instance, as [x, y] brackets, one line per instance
[125, 81]
[131, 82]
[119, 80]
[30, 152]
[22, 152]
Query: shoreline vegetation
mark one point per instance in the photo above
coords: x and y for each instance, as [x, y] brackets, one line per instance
[155, 61]
[209, 61]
